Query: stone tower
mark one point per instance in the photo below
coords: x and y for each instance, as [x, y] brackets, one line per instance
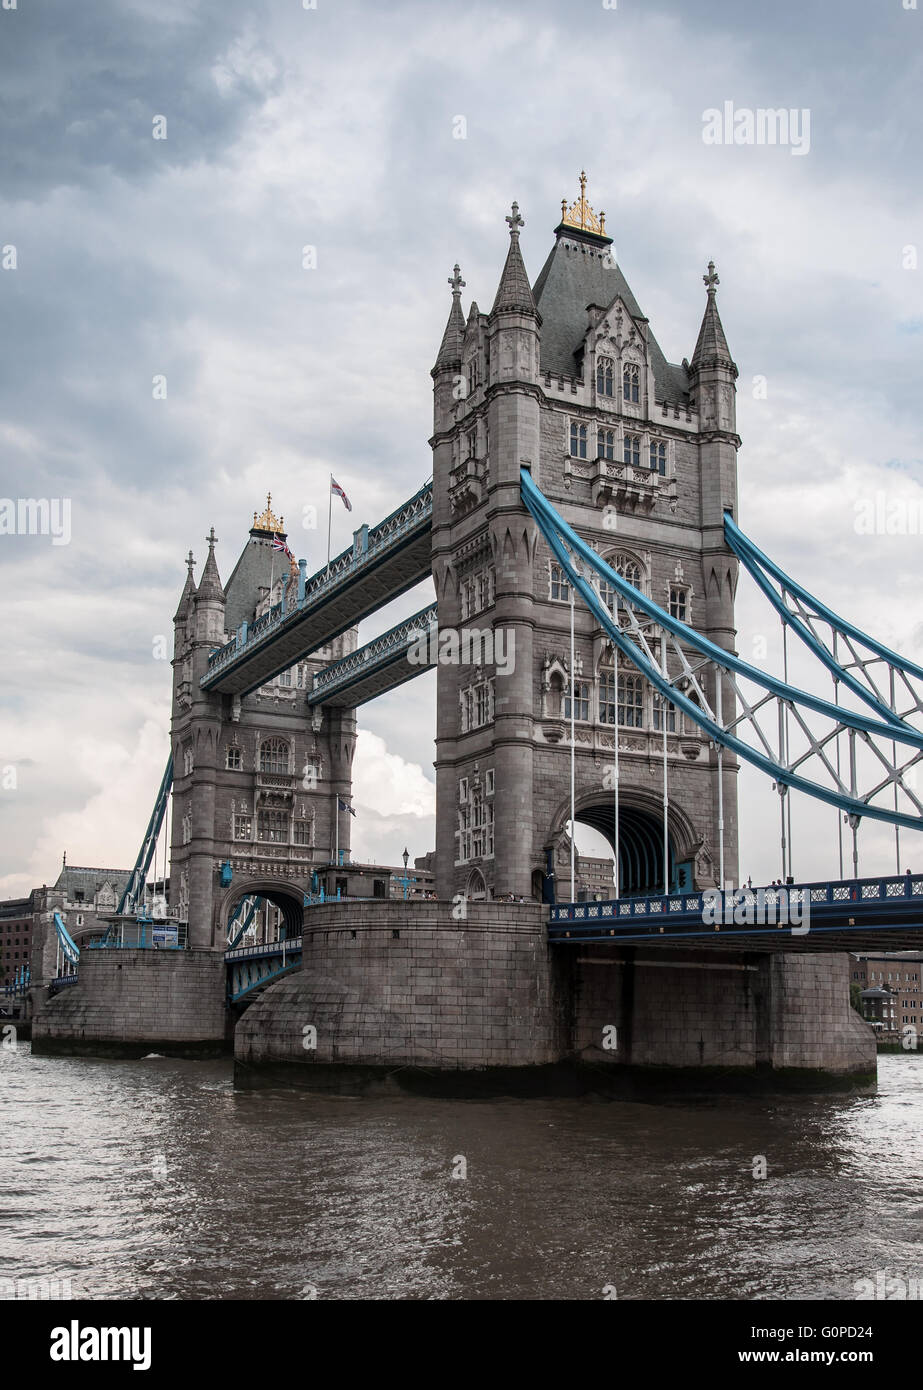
[255, 779]
[565, 377]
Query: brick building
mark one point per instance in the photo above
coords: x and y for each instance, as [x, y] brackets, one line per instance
[17, 916]
[900, 976]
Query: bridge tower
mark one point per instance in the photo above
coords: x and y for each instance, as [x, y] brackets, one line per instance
[256, 777]
[565, 377]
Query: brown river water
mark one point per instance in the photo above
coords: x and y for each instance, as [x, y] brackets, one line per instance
[155, 1179]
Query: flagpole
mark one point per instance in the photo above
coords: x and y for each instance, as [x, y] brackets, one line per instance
[329, 521]
[336, 852]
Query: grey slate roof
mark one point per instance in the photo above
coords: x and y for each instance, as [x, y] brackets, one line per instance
[210, 583]
[575, 275]
[711, 347]
[251, 573]
[514, 290]
[72, 877]
[451, 348]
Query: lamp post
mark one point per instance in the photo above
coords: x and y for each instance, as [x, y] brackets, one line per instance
[405, 856]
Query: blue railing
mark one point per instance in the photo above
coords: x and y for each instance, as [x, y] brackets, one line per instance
[144, 935]
[863, 896]
[375, 654]
[406, 519]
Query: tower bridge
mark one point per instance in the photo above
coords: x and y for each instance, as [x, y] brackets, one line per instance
[583, 506]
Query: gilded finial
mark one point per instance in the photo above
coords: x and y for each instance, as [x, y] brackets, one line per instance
[580, 214]
[268, 521]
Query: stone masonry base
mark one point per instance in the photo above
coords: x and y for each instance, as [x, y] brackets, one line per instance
[128, 1003]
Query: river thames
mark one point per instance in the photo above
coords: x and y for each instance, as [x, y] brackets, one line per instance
[155, 1179]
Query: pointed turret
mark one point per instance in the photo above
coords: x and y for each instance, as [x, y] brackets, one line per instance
[514, 293]
[711, 349]
[450, 351]
[210, 583]
[188, 594]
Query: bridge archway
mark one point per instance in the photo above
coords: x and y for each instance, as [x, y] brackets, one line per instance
[640, 849]
[287, 897]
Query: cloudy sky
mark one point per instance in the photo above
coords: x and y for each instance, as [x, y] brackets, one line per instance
[334, 127]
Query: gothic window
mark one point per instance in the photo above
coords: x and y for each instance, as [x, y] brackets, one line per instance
[233, 760]
[577, 440]
[605, 444]
[285, 678]
[671, 714]
[678, 603]
[581, 701]
[604, 376]
[243, 827]
[631, 453]
[477, 591]
[471, 441]
[272, 826]
[631, 701]
[274, 755]
[607, 594]
[560, 589]
[628, 568]
[475, 828]
[489, 789]
[477, 705]
[631, 383]
[462, 790]
[302, 832]
[607, 697]
[659, 457]
[472, 374]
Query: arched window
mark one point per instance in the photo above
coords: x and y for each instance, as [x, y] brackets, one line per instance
[659, 457]
[607, 594]
[604, 376]
[607, 697]
[272, 826]
[581, 701]
[631, 383]
[631, 702]
[605, 444]
[627, 568]
[274, 755]
[671, 713]
[577, 440]
[560, 589]
[631, 454]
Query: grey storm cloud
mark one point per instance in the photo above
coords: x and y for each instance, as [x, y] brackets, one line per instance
[334, 128]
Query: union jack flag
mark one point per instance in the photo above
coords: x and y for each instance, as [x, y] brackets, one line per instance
[335, 488]
[279, 544]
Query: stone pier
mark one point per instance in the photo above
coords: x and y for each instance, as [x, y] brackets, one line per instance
[404, 996]
[128, 1003]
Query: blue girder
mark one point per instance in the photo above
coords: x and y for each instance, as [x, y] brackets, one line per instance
[556, 531]
[133, 895]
